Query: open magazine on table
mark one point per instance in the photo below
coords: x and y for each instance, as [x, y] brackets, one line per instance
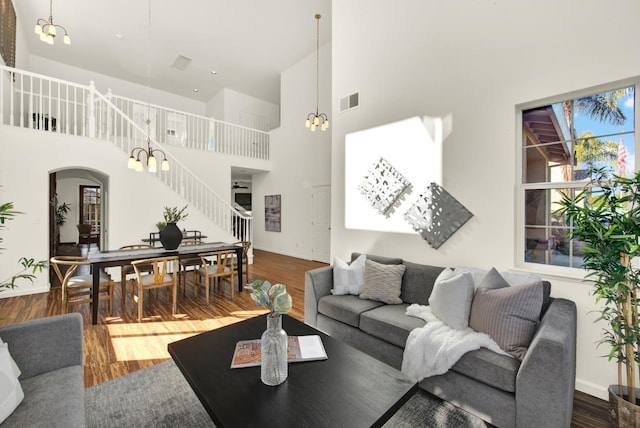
[300, 348]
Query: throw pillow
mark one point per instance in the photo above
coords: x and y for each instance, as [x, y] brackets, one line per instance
[11, 394]
[382, 282]
[493, 280]
[348, 279]
[509, 315]
[451, 298]
[16, 369]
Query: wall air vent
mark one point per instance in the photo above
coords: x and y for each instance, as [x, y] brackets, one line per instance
[350, 101]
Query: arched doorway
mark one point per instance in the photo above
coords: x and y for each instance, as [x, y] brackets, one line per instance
[84, 193]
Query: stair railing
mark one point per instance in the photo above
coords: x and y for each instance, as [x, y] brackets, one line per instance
[189, 130]
[51, 105]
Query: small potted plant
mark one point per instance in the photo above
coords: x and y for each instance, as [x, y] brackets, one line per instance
[170, 235]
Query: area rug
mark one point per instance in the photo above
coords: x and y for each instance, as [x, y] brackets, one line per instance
[159, 396]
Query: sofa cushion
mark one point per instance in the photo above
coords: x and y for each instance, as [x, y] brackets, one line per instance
[390, 323]
[346, 309]
[514, 280]
[509, 315]
[493, 280]
[451, 298]
[378, 259]
[382, 282]
[417, 282]
[489, 368]
[52, 398]
[348, 279]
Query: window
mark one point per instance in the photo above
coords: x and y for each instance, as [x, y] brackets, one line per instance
[561, 141]
[90, 207]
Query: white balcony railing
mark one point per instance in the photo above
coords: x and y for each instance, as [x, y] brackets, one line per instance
[46, 104]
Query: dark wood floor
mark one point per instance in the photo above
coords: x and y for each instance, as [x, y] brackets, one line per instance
[119, 345]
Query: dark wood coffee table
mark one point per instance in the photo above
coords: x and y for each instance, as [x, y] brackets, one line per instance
[349, 389]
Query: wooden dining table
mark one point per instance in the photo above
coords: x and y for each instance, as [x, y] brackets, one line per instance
[104, 259]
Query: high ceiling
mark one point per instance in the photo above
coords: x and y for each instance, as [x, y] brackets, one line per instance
[247, 42]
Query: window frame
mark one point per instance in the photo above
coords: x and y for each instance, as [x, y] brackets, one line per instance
[522, 187]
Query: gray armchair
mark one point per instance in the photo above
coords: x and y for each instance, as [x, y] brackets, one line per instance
[49, 353]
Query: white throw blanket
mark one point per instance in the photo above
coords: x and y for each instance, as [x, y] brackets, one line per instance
[433, 349]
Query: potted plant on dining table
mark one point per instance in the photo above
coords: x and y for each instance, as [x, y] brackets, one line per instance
[171, 235]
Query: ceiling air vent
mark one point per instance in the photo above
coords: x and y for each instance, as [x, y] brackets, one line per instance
[350, 101]
[181, 62]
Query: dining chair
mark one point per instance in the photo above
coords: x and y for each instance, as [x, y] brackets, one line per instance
[162, 276]
[77, 289]
[128, 270]
[84, 234]
[186, 262]
[216, 265]
[246, 245]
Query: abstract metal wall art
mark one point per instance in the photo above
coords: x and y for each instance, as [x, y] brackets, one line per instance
[384, 186]
[437, 215]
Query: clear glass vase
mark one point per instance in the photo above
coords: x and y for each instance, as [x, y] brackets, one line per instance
[273, 347]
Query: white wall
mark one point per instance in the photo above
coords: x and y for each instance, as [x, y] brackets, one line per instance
[135, 201]
[123, 88]
[300, 158]
[475, 60]
[235, 107]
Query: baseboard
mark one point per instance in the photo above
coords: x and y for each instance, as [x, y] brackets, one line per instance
[592, 389]
[284, 253]
[24, 290]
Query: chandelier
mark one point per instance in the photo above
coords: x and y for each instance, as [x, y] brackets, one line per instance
[47, 30]
[317, 119]
[139, 153]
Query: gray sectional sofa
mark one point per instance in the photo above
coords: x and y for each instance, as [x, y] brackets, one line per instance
[50, 356]
[504, 391]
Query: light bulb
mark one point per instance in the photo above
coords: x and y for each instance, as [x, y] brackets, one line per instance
[138, 166]
[316, 121]
[165, 165]
[153, 168]
[52, 30]
[66, 39]
[132, 163]
[151, 162]
[313, 128]
[50, 39]
[43, 37]
[38, 29]
[307, 123]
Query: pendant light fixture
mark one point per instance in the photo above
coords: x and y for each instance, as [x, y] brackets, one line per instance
[317, 119]
[47, 30]
[140, 153]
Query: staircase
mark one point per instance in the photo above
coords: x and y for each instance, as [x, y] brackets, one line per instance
[34, 101]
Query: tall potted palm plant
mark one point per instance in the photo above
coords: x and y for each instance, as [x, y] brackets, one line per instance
[605, 218]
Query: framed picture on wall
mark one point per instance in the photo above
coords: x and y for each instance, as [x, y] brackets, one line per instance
[272, 213]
